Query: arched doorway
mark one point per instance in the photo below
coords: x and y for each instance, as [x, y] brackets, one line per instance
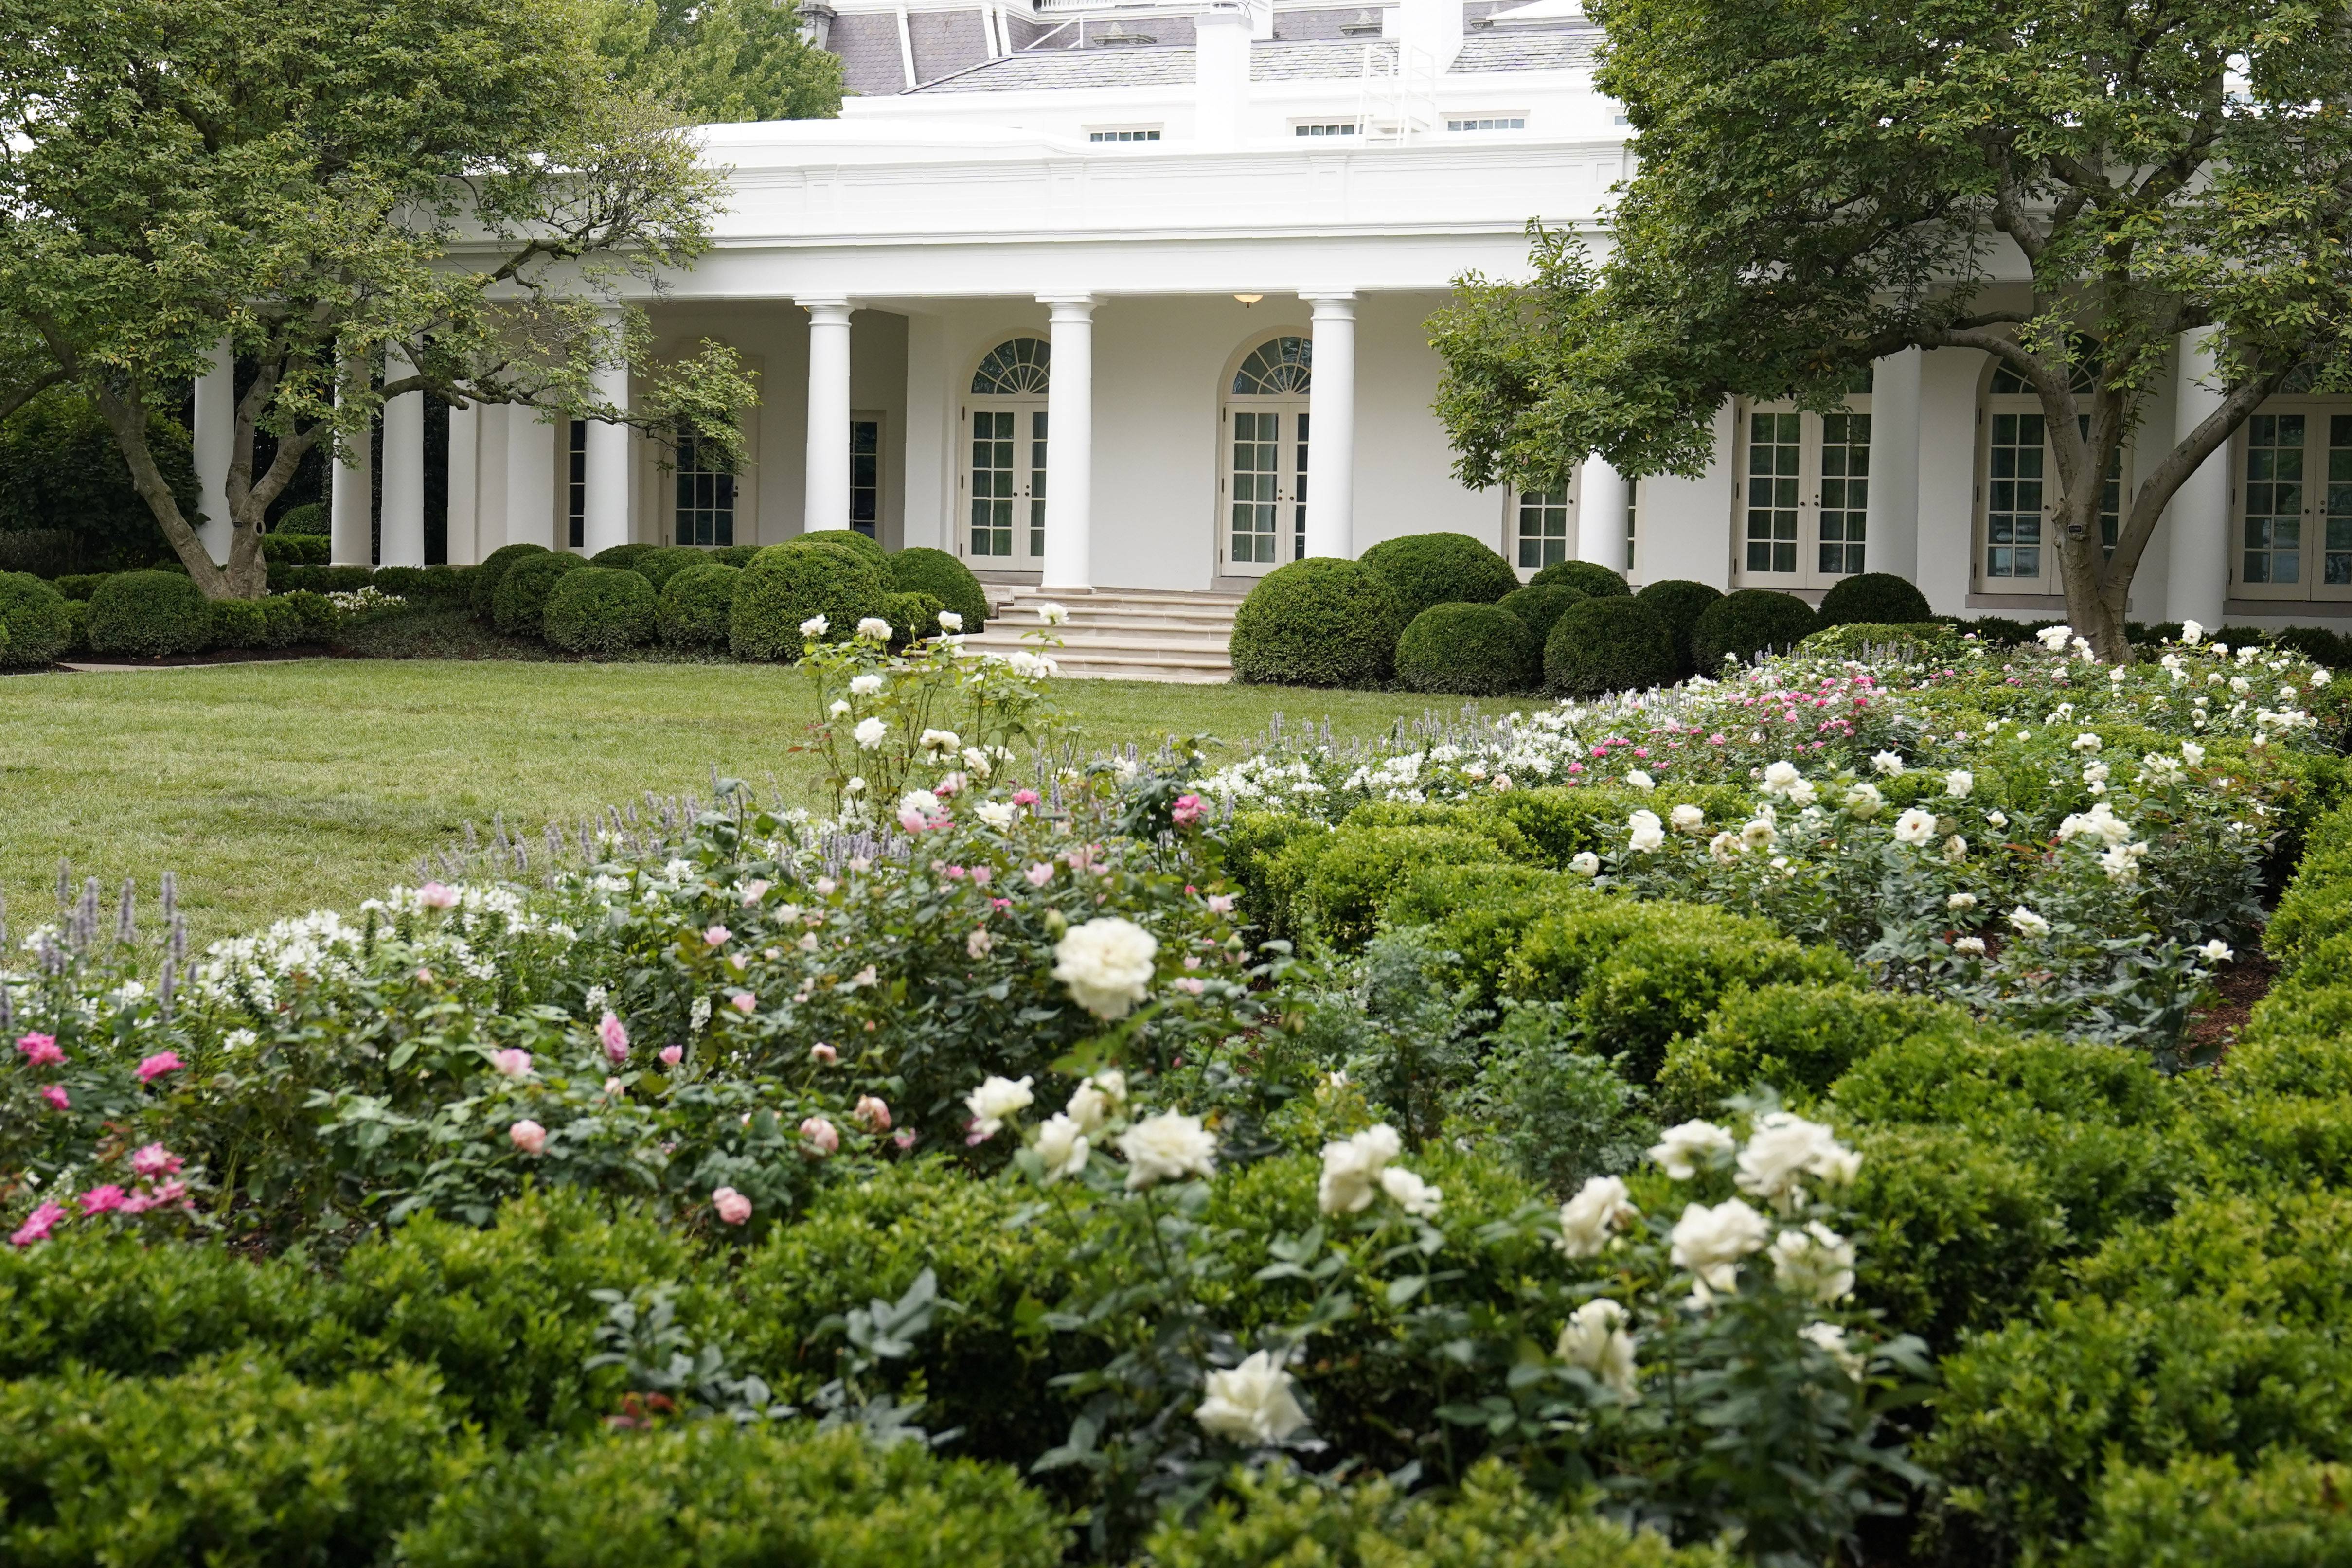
[1264, 426]
[1004, 472]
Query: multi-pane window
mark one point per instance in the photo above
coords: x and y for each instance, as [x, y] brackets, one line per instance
[1299, 513]
[2337, 564]
[1037, 482]
[1325, 128]
[1775, 463]
[1489, 123]
[1543, 527]
[994, 482]
[1007, 475]
[1279, 368]
[1256, 486]
[2013, 484]
[2294, 502]
[1013, 368]
[1633, 511]
[1145, 135]
[865, 473]
[575, 488]
[705, 483]
[2274, 497]
[1845, 492]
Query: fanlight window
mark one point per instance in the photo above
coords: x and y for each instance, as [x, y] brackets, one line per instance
[2006, 381]
[1283, 367]
[1013, 368]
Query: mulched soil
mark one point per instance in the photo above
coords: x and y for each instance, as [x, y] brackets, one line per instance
[2242, 984]
[224, 655]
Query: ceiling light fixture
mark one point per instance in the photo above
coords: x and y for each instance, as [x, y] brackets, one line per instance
[1248, 300]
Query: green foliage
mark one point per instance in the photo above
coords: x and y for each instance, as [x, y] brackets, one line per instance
[738, 555]
[310, 520]
[296, 549]
[599, 611]
[912, 617]
[522, 596]
[720, 62]
[1876, 642]
[787, 585]
[234, 1461]
[716, 1495]
[1255, 843]
[842, 539]
[1589, 578]
[662, 562]
[1748, 623]
[482, 597]
[1537, 606]
[117, 1305]
[313, 616]
[150, 614]
[1479, 651]
[2317, 903]
[1426, 569]
[1681, 603]
[1343, 879]
[1318, 622]
[77, 625]
[622, 557]
[1797, 1039]
[1608, 644]
[2203, 1512]
[1561, 1115]
[922, 570]
[1880, 598]
[696, 605]
[34, 625]
[61, 468]
[239, 624]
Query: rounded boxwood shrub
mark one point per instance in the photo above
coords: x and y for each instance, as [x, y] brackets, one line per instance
[665, 561]
[1613, 644]
[1748, 623]
[409, 583]
[521, 600]
[1318, 622]
[694, 605]
[77, 626]
[848, 539]
[35, 625]
[1426, 569]
[239, 624]
[923, 570]
[309, 517]
[622, 557]
[150, 614]
[1680, 601]
[1538, 605]
[1902, 641]
[599, 610]
[788, 583]
[912, 617]
[482, 598]
[295, 549]
[733, 554]
[1879, 598]
[1477, 650]
[1589, 578]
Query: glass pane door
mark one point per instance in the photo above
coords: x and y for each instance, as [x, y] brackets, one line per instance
[2274, 522]
[2013, 499]
[2339, 569]
[1543, 527]
[1845, 492]
[1775, 449]
[1006, 484]
[1256, 484]
[993, 484]
[1037, 484]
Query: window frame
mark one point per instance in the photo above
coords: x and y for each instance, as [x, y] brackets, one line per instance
[2319, 415]
[1811, 487]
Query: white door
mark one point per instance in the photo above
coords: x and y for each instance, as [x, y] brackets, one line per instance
[1266, 427]
[1004, 479]
[1804, 492]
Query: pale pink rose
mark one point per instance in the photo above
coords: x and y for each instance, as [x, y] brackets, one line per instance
[41, 1050]
[672, 1055]
[434, 896]
[38, 1224]
[1024, 798]
[511, 1063]
[156, 1066]
[821, 1135]
[823, 1054]
[983, 874]
[167, 1192]
[1221, 903]
[732, 1206]
[528, 1136]
[904, 1138]
[1189, 985]
[979, 941]
[824, 887]
[873, 1112]
[744, 1002]
[613, 1086]
[54, 1093]
[1040, 874]
[1187, 810]
[753, 892]
[98, 1200]
[717, 936]
[615, 1036]
[154, 1160]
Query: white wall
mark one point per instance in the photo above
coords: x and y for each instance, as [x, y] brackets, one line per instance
[1682, 529]
[1948, 476]
[1404, 478]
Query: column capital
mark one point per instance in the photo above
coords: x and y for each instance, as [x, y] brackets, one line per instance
[825, 310]
[1070, 307]
[1330, 301]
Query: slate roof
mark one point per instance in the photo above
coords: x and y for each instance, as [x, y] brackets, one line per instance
[1527, 50]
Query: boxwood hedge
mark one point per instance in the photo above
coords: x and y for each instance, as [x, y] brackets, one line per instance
[34, 625]
[521, 598]
[1426, 569]
[600, 611]
[150, 614]
[1748, 623]
[1318, 622]
[1617, 644]
[695, 606]
[1478, 650]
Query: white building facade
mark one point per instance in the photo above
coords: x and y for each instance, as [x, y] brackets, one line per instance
[1136, 298]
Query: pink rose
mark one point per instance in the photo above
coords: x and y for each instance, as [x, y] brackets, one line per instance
[823, 1054]
[953, 873]
[1040, 874]
[38, 1224]
[159, 1064]
[41, 1050]
[717, 936]
[913, 821]
[1191, 985]
[744, 1001]
[528, 1136]
[672, 1055]
[1187, 810]
[511, 1063]
[821, 1135]
[1024, 798]
[753, 892]
[983, 874]
[615, 1037]
[54, 1093]
[613, 1086]
[434, 896]
[732, 1206]
[873, 1112]
[905, 1138]
[98, 1200]
[1221, 903]
[154, 1160]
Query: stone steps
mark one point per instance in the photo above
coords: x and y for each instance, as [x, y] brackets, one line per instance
[1123, 633]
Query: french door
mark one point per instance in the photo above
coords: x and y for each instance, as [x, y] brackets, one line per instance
[1004, 484]
[2293, 503]
[1804, 494]
[1265, 485]
[2017, 550]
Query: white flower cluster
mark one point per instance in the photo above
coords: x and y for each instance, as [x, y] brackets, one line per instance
[1358, 1169]
[1107, 963]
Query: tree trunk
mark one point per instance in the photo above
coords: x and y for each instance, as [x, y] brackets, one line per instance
[2095, 608]
[127, 417]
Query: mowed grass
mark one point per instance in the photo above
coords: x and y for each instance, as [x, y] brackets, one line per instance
[270, 789]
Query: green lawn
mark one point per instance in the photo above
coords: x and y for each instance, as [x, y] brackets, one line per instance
[274, 788]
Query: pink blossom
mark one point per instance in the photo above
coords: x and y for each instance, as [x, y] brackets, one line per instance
[159, 1064]
[753, 892]
[41, 1050]
[1576, 767]
[672, 1055]
[983, 874]
[1040, 874]
[1000, 904]
[1221, 903]
[615, 1037]
[434, 896]
[821, 1135]
[717, 936]
[953, 873]
[98, 1200]
[873, 1112]
[1024, 798]
[154, 1160]
[732, 1206]
[1191, 987]
[743, 1001]
[38, 1224]
[913, 821]
[905, 1138]
[613, 1086]
[1187, 810]
[511, 1063]
[823, 1054]
[528, 1136]
[824, 887]
[54, 1093]
[169, 1192]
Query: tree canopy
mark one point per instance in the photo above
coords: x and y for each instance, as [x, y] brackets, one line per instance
[721, 60]
[2068, 185]
[457, 189]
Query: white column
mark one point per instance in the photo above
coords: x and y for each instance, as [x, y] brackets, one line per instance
[1891, 537]
[1600, 515]
[403, 468]
[489, 476]
[1332, 434]
[531, 479]
[350, 510]
[2199, 515]
[930, 488]
[825, 466]
[216, 447]
[604, 511]
[465, 447]
[1070, 444]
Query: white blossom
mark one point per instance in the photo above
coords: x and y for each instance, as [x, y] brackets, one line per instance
[1648, 832]
[1601, 1206]
[1051, 614]
[1959, 783]
[1961, 902]
[1410, 1193]
[873, 628]
[869, 733]
[1687, 819]
[1251, 1403]
[1586, 864]
[1351, 1169]
[1062, 1146]
[1682, 1149]
[997, 814]
[1886, 763]
[2217, 952]
[1596, 1339]
[1914, 827]
[1166, 1148]
[1830, 1339]
[1091, 1106]
[996, 1101]
[1782, 777]
[1641, 780]
[2054, 637]
[1106, 963]
[1710, 1242]
[1815, 1261]
[1864, 800]
[2191, 633]
[815, 626]
[1785, 1148]
[949, 621]
[2027, 923]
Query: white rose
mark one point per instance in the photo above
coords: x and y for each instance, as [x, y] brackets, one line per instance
[996, 1101]
[1758, 833]
[1956, 849]
[1251, 1404]
[873, 628]
[1914, 827]
[1092, 1105]
[865, 685]
[1782, 1149]
[1830, 1339]
[949, 621]
[814, 626]
[2027, 923]
[1106, 963]
[1779, 777]
[1062, 1146]
[1641, 780]
[2192, 753]
[1710, 1242]
[1166, 1148]
[840, 708]
[1648, 832]
[869, 733]
[1587, 864]
[997, 814]
[2322, 677]
[2191, 632]
[1351, 1169]
[1682, 1149]
[2216, 951]
[1959, 783]
[1973, 946]
[1601, 1206]
[2054, 637]
[1687, 819]
[1052, 615]
[1961, 902]
[1864, 800]
[1595, 1339]
[1410, 1193]
[1721, 846]
[2086, 741]
[1886, 763]
[1815, 1261]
